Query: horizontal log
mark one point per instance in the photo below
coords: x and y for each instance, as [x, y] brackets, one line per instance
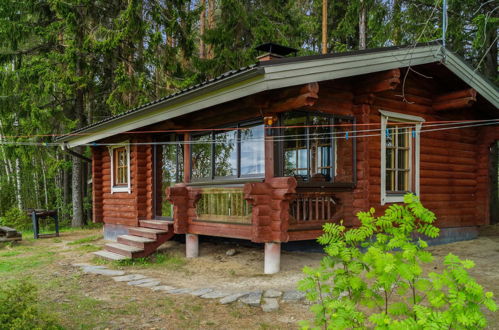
[429, 190]
[220, 230]
[446, 159]
[121, 215]
[120, 221]
[447, 175]
[440, 181]
[465, 93]
[456, 104]
[120, 208]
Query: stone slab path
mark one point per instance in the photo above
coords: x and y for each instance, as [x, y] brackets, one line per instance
[267, 300]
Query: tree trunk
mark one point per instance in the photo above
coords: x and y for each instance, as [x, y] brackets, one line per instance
[396, 22]
[66, 189]
[78, 219]
[324, 26]
[211, 25]
[362, 25]
[202, 19]
[18, 185]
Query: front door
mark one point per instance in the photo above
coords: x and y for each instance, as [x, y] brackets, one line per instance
[169, 170]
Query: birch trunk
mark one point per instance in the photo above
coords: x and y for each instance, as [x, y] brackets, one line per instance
[18, 184]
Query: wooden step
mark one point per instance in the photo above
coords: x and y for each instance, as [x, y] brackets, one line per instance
[147, 232]
[137, 241]
[110, 255]
[156, 224]
[125, 250]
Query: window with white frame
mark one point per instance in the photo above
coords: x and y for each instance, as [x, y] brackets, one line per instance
[399, 155]
[120, 168]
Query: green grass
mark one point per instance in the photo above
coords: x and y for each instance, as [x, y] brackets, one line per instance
[10, 253]
[157, 260]
[87, 248]
[87, 239]
[20, 264]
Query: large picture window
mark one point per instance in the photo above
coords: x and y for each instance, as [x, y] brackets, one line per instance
[120, 168]
[234, 153]
[399, 155]
[316, 148]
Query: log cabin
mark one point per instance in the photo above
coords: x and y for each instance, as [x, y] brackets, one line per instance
[270, 152]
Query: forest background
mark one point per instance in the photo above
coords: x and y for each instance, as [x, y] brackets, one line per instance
[65, 64]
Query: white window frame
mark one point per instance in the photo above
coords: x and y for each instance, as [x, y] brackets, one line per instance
[128, 187]
[414, 147]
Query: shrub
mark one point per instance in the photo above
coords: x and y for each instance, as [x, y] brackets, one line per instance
[372, 276]
[16, 218]
[19, 308]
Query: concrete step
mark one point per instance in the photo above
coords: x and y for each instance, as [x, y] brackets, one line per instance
[156, 224]
[137, 241]
[147, 232]
[125, 250]
[110, 255]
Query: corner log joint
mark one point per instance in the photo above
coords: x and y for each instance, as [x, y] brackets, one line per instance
[455, 100]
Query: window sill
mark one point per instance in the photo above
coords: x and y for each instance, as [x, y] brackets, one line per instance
[120, 189]
[394, 198]
[225, 182]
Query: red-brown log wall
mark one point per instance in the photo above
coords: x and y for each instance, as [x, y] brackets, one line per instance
[97, 185]
[122, 207]
[449, 160]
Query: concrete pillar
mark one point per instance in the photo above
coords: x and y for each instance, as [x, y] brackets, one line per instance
[191, 245]
[272, 258]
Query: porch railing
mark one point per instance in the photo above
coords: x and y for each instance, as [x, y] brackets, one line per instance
[225, 205]
[312, 209]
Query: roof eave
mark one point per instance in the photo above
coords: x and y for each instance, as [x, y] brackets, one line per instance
[169, 102]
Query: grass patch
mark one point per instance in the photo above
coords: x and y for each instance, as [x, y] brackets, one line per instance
[88, 248]
[84, 240]
[21, 264]
[20, 308]
[157, 259]
[10, 253]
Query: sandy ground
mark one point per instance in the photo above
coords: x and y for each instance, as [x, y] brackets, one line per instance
[114, 305]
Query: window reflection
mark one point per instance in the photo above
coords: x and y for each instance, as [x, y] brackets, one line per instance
[252, 150]
[226, 153]
[316, 147]
[237, 152]
[201, 156]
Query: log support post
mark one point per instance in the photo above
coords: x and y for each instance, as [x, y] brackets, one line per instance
[272, 258]
[191, 246]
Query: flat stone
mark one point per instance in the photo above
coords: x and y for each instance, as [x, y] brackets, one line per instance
[84, 264]
[128, 278]
[272, 293]
[142, 281]
[232, 298]
[200, 292]
[103, 271]
[149, 284]
[252, 299]
[163, 288]
[293, 295]
[179, 291]
[231, 252]
[215, 295]
[270, 305]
